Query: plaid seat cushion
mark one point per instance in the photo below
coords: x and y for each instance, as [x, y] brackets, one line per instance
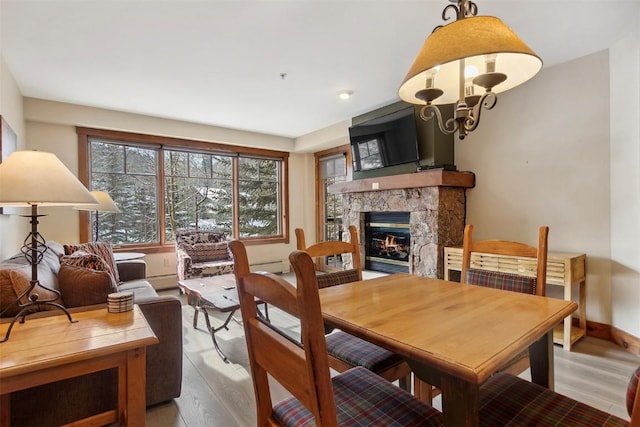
[632, 389]
[358, 352]
[364, 399]
[504, 281]
[326, 280]
[506, 400]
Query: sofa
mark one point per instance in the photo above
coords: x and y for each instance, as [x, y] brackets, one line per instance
[83, 279]
[202, 253]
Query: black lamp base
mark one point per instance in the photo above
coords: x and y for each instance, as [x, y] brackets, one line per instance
[33, 249]
[34, 305]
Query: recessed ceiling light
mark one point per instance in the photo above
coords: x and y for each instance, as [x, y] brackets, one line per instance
[345, 94]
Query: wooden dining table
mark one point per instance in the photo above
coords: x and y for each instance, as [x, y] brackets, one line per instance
[454, 336]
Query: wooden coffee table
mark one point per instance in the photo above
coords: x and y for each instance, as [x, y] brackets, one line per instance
[216, 293]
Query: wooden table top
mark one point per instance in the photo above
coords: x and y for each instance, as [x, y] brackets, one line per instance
[464, 330]
[53, 341]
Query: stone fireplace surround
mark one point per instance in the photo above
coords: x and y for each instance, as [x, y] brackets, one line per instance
[435, 200]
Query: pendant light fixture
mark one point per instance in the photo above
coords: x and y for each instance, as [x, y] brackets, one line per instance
[467, 62]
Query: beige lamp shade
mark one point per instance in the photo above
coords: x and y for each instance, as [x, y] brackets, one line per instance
[38, 178]
[471, 40]
[105, 203]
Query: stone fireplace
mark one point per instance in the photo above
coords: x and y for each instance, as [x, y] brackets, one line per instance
[435, 201]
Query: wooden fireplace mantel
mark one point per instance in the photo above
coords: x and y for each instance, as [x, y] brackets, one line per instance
[431, 178]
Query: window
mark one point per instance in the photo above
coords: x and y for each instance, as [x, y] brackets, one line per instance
[331, 167]
[162, 185]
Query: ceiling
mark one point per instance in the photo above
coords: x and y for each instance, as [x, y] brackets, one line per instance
[269, 66]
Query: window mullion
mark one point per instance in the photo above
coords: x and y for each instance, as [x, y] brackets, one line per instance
[161, 198]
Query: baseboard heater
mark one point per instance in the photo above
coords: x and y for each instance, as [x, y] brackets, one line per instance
[280, 266]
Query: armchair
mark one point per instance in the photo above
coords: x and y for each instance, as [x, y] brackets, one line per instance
[202, 253]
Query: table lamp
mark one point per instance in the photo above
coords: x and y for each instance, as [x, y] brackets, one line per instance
[105, 204]
[32, 179]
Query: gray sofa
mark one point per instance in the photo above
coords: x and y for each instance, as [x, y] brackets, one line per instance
[64, 401]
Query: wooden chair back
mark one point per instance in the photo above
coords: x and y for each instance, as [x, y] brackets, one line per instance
[334, 247]
[303, 371]
[538, 254]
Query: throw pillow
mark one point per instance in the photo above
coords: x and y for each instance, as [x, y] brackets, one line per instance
[102, 249]
[203, 252]
[85, 260]
[7, 294]
[82, 286]
[14, 282]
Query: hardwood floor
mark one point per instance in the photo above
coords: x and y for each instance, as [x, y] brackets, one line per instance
[220, 394]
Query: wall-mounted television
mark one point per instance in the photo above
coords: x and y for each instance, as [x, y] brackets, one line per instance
[385, 141]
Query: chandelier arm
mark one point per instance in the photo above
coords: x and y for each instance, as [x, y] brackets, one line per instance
[447, 9]
[487, 101]
[428, 112]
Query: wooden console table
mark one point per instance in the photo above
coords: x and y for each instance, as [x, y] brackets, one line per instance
[50, 349]
[563, 269]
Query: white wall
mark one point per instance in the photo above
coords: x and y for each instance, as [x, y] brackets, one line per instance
[541, 157]
[50, 126]
[13, 228]
[625, 182]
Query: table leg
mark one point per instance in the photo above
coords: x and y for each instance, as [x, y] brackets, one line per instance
[213, 330]
[541, 361]
[460, 402]
[136, 383]
[566, 339]
[5, 412]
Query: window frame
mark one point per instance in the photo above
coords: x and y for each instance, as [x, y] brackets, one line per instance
[161, 142]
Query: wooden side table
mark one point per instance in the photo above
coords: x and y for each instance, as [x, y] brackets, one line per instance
[50, 349]
[563, 269]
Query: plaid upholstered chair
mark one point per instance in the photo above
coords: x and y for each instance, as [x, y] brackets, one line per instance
[506, 400]
[356, 397]
[202, 253]
[345, 350]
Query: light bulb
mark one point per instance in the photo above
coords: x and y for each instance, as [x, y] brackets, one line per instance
[470, 71]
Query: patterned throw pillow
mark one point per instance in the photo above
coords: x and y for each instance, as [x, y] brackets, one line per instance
[102, 249]
[85, 260]
[203, 252]
[187, 238]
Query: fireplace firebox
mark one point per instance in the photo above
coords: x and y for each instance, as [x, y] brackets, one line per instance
[387, 241]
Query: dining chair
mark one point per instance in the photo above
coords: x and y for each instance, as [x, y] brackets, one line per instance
[506, 400]
[356, 397]
[527, 275]
[345, 350]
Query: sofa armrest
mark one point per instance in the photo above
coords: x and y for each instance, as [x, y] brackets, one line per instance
[133, 269]
[183, 264]
[164, 360]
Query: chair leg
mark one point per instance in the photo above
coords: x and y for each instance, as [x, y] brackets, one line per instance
[423, 390]
[405, 383]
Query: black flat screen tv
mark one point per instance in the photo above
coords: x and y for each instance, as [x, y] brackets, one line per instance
[385, 141]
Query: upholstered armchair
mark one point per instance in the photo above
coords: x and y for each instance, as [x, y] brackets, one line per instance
[202, 253]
